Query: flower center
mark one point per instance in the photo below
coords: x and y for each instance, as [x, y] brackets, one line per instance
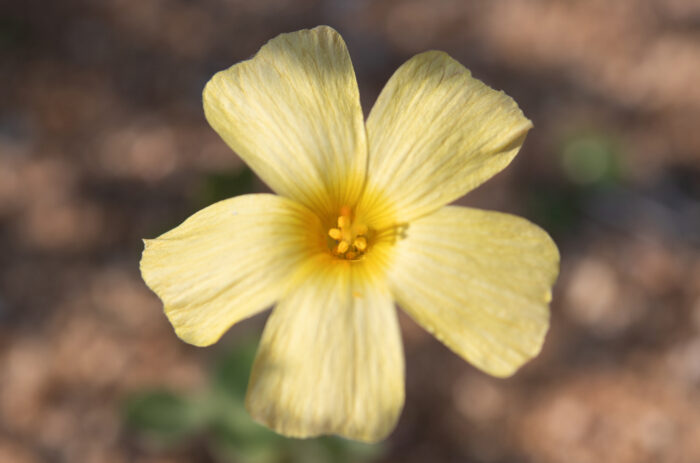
[349, 238]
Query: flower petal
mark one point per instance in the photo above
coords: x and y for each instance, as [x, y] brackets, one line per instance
[480, 282]
[434, 134]
[226, 262]
[331, 359]
[293, 114]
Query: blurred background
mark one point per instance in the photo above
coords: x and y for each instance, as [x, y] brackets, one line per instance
[103, 142]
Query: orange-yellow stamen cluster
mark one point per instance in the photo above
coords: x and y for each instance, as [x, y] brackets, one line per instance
[350, 239]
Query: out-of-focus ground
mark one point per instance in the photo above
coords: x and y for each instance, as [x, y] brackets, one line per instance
[103, 142]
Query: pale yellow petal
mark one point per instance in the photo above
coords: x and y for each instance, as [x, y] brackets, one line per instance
[227, 262]
[293, 114]
[331, 359]
[480, 282]
[434, 134]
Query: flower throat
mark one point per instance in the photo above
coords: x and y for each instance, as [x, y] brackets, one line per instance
[349, 238]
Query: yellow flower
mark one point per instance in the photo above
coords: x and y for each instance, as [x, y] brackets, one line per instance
[360, 222]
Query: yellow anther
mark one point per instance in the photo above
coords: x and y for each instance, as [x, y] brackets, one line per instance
[360, 243]
[350, 240]
[335, 233]
[343, 246]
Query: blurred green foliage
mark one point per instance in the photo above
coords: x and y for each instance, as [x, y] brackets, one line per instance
[556, 209]
[13, 33]
[161, 415]
[218, 417]
[591, 164]
[591, 157]
[218, 186]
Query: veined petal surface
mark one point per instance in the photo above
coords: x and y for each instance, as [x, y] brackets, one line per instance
[331, 359]
[227, 262]
[293, 114]
[480, 282]
[434, 134]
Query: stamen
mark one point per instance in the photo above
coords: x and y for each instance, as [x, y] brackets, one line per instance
[335, 234]
[350, 238]
[360, 243]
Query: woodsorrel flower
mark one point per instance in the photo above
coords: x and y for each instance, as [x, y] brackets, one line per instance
[359, 221]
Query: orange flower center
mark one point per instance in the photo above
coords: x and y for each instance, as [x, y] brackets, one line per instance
[349, 238]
